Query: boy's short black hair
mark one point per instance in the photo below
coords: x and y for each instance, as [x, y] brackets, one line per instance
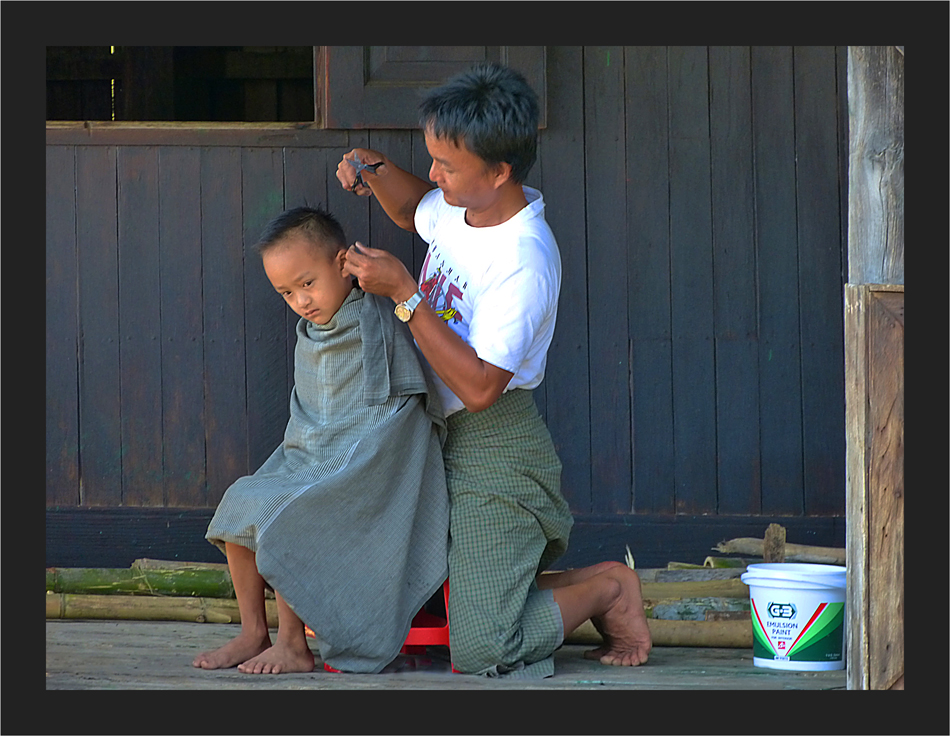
[316, 224]
[493, 110]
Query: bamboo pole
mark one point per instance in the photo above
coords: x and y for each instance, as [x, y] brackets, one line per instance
[694, 609]
[180, 579]
[720, 563]
[147, 608]
[725, 634]
[729, 588]
[694, 574]
[108, 581]
[147, 563]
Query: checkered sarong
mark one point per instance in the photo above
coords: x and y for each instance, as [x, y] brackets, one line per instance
[509, 522]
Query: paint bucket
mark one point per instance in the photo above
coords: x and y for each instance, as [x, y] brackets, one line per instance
[798, 616]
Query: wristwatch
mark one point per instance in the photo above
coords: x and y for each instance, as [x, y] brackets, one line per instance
[405, 309]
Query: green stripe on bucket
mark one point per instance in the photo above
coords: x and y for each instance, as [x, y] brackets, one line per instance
[802, 634]
[821, 625]
[827, 643]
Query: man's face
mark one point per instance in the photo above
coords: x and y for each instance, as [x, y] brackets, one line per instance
[464, 178]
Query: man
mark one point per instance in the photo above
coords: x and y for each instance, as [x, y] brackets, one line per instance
[482, 313]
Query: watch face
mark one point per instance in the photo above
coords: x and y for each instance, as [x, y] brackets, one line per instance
[403, 313]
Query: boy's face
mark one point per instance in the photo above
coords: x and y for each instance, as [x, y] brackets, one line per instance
[311, 281]
[465, 179]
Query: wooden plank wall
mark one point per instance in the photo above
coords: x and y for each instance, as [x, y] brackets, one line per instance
[709, 349]
[697, 368]
[173, 376]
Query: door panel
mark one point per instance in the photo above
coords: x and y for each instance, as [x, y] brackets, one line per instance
[381, 86]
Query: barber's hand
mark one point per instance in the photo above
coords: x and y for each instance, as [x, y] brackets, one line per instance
[379, 272]
[346, 173]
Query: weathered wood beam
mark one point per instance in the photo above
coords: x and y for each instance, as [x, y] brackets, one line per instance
[793, 552]
[876, 165]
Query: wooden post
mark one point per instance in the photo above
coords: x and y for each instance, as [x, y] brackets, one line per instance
[876, 165]
[773, 545]
[874, 369]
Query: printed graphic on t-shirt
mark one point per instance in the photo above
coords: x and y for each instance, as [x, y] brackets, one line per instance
[444, 292]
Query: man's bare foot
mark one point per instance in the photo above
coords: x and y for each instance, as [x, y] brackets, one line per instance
[240, 649]
[281, 657]
[623, 626]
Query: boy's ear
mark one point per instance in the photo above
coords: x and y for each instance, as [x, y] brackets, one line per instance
[340, 260]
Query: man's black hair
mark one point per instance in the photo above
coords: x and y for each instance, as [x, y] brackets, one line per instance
[316, 224]
[493, 110]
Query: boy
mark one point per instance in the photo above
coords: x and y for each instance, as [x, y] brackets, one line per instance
[347, 520]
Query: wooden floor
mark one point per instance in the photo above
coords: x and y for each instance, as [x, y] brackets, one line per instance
[138, 655]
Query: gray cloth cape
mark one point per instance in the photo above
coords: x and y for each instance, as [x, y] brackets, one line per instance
[349, 516]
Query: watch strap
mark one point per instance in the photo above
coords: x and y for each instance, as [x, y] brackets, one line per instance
[414, 301]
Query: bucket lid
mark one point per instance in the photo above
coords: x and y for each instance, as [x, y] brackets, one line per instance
[797, 567]
[814, 584]
[776, 574]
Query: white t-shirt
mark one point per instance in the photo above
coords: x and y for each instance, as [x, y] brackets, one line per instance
[496, 287]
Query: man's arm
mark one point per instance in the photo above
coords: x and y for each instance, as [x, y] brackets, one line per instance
[477, 383]
[398, 191]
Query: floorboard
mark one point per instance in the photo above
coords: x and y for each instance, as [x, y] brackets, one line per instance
[123, 655]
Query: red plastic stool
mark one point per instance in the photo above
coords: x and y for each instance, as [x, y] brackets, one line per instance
[427, 629]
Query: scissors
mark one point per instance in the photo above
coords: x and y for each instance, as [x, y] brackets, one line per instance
[359, 166]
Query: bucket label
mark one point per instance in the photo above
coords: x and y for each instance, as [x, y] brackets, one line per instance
[781, 633]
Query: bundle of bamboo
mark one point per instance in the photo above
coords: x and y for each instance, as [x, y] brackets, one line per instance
[684, 607]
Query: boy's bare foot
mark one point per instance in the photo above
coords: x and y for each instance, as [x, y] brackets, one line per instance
[240, 649]
[281, 657]
[623, 626]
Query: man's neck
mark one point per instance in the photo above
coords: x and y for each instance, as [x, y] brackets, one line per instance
[510, 202]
